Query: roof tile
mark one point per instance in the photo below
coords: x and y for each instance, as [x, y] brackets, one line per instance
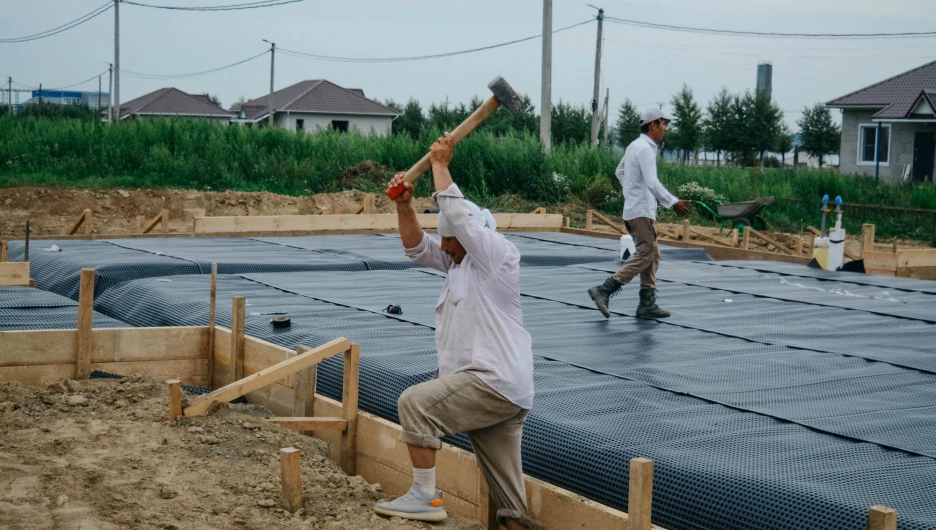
[895, 95]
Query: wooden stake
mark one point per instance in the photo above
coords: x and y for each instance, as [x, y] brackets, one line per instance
[734, 237]
[812, 246]
[141, 224]
[310, 423]
[87, 222]
[349, 409]
[588, 219]
[268, 376]
[175, 399]
[85, 314]
[370, 203]
[882, 518]
[291, 478]
[640, 494]
[867, 238]
[746, 240]
[211, 324]
[304, 391]
[568, 220]
[164, 216]
[237, 338]
[685, 230]
[4, 251]
[799, 246]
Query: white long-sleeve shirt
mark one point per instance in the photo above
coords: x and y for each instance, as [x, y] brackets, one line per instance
[638, 175]
[479, 318]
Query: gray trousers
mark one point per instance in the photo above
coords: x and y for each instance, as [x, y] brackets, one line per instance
[463, 403]
[646, 259]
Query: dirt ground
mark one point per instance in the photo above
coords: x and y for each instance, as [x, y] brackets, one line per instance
[115, 211]
[101, 454]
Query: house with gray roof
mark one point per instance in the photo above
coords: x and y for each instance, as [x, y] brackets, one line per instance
[889, 128]
[318, 104]
[173, 103]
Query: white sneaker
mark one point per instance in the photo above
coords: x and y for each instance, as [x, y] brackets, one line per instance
[415, 506]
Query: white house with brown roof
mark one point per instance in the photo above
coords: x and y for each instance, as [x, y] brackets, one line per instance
[173, 103]
[889, 128]
[318, 104]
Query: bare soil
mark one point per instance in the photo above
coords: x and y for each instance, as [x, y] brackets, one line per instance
[102, 454]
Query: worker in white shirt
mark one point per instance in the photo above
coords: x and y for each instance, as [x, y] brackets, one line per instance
[642, 190]
[485, 380]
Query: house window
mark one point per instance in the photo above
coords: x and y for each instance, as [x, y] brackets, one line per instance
[300, 125]
[868, 144]
[340, 125]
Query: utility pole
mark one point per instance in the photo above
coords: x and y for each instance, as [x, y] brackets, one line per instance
[272, 54]
[606, 114]
[546, 93]
[115, 97]
[110, 93]
[40, 100]
[99, 94]
[595, 115]
[10, 93]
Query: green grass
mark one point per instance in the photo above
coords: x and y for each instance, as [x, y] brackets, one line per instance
[205, 156]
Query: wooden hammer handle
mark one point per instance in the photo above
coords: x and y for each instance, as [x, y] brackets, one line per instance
[464, 129]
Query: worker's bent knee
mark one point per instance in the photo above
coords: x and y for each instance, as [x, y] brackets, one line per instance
[418, 430]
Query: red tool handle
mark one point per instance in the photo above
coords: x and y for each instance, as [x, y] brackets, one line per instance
[393, 193]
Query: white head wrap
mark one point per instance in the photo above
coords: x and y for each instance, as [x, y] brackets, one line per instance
[484, 217]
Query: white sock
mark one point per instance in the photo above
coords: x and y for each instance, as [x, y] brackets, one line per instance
[425, 479]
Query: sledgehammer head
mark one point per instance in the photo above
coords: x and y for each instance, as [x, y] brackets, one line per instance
[509, 99]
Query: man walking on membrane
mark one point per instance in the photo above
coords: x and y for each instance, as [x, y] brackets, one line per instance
[642, 189]
[485, 381]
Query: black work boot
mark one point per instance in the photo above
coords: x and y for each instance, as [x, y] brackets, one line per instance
[648, 307]
[602, 294]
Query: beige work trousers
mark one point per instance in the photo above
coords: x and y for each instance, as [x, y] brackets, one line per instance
[463, 403]
[646, 259]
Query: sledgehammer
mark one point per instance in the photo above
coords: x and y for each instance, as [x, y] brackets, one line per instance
[504, 96]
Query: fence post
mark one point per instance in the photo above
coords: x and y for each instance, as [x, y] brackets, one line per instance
[867, 238]
[640, 494]
[882, 518]
[588, 219]
[685, 230]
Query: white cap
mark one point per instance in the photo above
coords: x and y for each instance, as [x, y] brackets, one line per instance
[652, 115]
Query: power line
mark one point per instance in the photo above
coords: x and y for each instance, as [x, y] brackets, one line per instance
[92, 78]
[232, 7]
[417, 57]
[141, 75]
[64, 27]
[770, 34]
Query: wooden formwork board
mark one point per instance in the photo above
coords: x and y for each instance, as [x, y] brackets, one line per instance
[14, 273]
[373, 222]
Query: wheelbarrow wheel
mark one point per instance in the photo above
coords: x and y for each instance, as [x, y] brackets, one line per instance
[761, 223]
[740, 223]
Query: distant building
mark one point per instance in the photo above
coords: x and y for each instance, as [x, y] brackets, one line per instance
[319, 104]
[890, 127]
[68, 97]
[173, 103]
[765, 78]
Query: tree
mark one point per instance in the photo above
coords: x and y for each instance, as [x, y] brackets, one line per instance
[686, 135]
[411, 120]
[627, 128]
[819, 135]
[215, 100]
[503, 122]
[239, 103]
[784, 142]
[570, 123]
[446, 117]
[716, 133]
[754, 126]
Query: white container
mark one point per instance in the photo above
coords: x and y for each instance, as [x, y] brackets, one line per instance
[627, 247]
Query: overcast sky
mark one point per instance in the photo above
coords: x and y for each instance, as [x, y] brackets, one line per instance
[645, 65]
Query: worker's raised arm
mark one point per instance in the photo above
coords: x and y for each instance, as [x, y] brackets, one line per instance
[418, 246]
[646, 158]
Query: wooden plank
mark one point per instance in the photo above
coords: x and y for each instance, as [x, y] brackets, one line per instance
[164, 218]
[882, 261]
[265, 377]
[867, 238]
[260, 354]
[14, 273]
[349, 409]
[620, 229]
[798, 246]
[237, 337]
[734, 237]
[310, 423]
[304, 389]
[539, 210]
[686, 232]
[85, 316]
[640, 494]
[191, 372]
[175, 399]
[370, 204]
[291, 478]
[910, 258]
[568, 222]
[83, 219]
[212, 300]
[815, 231]
[377, 222]
[588, 219]
[882, 518]
[4, 250]
[780, 246]
[716, 239]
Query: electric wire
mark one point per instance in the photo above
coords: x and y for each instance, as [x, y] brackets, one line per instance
[231, 7]
[64, 27]
[141, 75]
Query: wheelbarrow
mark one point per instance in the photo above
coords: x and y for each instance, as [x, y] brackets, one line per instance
[737, 214]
